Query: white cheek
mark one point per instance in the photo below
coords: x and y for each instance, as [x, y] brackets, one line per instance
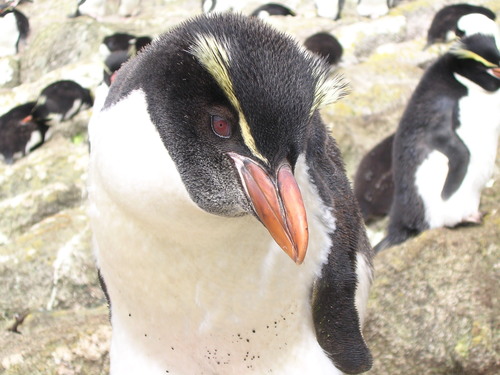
[132, 163]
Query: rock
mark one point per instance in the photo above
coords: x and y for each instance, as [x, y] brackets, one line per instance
[435, 301]
[9, 66]
[59, 44]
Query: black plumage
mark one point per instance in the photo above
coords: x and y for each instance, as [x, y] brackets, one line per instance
[22, 22]
[272, 9]
[61, 100]
[325, 45]
[373, 184]
[445, 21]
[235, 104]
[430, 123]
[20, 132]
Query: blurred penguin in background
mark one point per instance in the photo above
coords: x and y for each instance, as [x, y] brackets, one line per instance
[445, 146]
[21, 132]
[325, 45]
[14, 29]
[272, 9]
[444, 25]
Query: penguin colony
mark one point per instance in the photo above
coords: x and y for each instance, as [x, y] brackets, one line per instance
[256, 194]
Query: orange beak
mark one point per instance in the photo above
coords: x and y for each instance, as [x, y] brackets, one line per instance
[27, 119]
[496, 72]
[277, 203]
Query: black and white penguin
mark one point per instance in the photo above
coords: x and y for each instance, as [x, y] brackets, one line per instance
[61, 100]
[91, 8]
[14, 29]
[123, 42]
[373, 184]
[374, 8]
[210, 168]
[329, 9]
[444, 24]
[272, 9]
[20, 132]
[445, 146]
[325, 45]
[219, 6]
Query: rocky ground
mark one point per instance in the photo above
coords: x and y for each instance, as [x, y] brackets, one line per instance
[435, 300]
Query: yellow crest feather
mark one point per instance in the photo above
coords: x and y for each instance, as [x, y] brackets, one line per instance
[214, 57]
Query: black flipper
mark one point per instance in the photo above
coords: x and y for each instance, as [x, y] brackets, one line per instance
[444, 139]
[335, 315]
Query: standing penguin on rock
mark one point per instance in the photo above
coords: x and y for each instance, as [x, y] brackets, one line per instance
[211, 176]
[445, 146]
[14, 29]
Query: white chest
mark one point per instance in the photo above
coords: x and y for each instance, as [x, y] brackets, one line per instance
[479, 115]
[9, 34]
[194, 293]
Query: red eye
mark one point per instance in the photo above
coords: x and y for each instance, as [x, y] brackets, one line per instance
[221, 127]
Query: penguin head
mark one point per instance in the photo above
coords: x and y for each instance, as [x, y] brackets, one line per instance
[235, 102]
[478, 59]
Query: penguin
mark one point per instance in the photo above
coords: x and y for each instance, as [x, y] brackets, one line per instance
[123, 42]
[211, 176]
[374, 8]
[61, 100]
[111, 65]
[272, 9]
[92, 8]
[14, 29]
[444, 23]
[329, 9]
[325, 45]
[445, 146]
[373, 181]
[211, 6]
[20, 132]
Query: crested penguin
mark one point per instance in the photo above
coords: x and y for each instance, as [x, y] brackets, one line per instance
[325, 45]
[61, 100]
[445, 146]
[374, 8]
[20, 132]
[211, 175]
[373, 185]
[272, 9]
[329, 9]
[443, 26]
[14, 29]
[219, 6]
[122, 42]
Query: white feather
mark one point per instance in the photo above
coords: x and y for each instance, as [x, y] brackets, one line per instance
[479, 114]
[227, 299]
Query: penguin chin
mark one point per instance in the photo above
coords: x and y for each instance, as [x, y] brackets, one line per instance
[221, 208]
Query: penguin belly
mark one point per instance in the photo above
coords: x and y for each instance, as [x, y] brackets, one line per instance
[9, 34]
[227, 300]
[479, 115]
